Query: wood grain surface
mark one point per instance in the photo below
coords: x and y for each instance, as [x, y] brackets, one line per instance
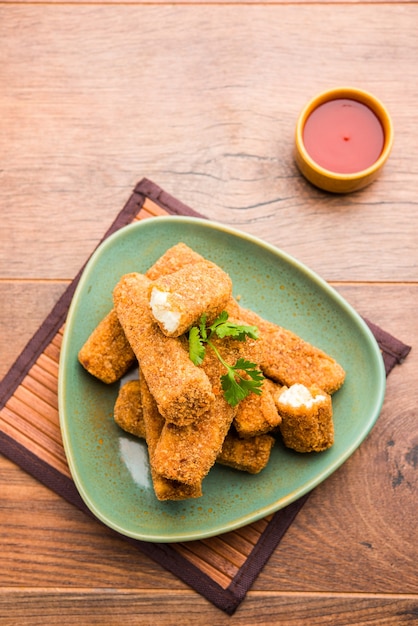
[203, 99]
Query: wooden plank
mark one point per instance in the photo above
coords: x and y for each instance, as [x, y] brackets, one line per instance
[222, 142]
[208, 2]
[61, 606]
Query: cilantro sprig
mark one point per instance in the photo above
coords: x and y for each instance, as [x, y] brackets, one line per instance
[240, 379]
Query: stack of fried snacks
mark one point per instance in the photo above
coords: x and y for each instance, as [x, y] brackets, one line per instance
[135, 406]
[179, 408]
[107, 354]
[164, 488]
[187, 453]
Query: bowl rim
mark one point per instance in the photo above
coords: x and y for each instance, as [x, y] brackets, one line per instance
[362, 96]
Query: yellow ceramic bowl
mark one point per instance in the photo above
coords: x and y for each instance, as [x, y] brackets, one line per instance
[337, 182]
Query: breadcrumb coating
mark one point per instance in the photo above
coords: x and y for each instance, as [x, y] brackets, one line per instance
[250, 455]
[247, 455]
[307, 426]
[187, 453]
[107, 354]
[180, 408]
[153, 424]
[288, 359]
[128, 409]
[181, 390]
[173, 260]
[258, 414]
[178, 300]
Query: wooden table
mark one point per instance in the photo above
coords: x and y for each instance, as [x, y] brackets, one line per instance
[203, 99]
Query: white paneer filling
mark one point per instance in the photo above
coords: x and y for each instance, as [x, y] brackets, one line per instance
[162, 312]
[299, 395]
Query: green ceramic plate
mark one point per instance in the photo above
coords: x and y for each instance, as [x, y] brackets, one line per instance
[111, 469]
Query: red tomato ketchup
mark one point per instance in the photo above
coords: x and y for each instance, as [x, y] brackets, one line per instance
[343, 136]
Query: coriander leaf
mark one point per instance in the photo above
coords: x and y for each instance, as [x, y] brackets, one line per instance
[223, 328]
[236, 387]
[196, 347]
[232, 389]
[250, 368]
[241, 379]
[239, 332]
[219, 320]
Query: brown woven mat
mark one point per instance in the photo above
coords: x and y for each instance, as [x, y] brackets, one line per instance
[220, 568]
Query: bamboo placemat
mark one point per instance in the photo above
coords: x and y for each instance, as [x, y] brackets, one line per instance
[221, 568]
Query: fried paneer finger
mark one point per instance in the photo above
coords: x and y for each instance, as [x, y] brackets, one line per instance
[247, 455]
[287, 359]
[179, 300]
[153, 422]
[181, 390]
[258, 414]
[187, 453]
[128, 413]
[307, 424]
[173, 260]
[107, 354]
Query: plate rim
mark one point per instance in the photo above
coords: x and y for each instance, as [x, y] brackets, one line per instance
[271, 507]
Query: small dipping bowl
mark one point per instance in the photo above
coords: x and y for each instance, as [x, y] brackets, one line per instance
[343, 139]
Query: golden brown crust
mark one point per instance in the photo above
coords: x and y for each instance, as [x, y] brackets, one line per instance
[164, 489]
[187, 453]
[173, 260]
[196, 289]
[135, 406]
[288, 359]
[308, 429]
[128, 409]
[247, 455]
[107, 354]
[181, 389]
[179, 408]
[258, 414]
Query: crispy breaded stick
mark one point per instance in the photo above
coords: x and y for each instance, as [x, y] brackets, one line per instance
[181, 390]
[307, 424]
[128, 413]
[258, 414]
[287, 358]
[153, 421]
[247, 455]
[173, 260]
[107, 354]
[187, 453]
[178, 300]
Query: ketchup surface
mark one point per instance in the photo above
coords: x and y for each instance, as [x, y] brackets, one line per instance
[343, 136]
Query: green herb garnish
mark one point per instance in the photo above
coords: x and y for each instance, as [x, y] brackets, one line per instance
[240, 379]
